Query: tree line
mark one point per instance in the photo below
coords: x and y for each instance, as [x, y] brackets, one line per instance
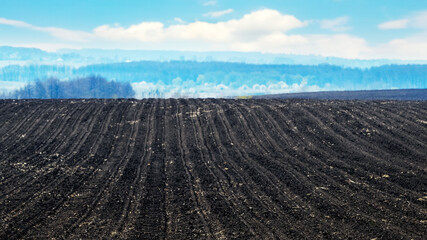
[232, 74]
[88, 87]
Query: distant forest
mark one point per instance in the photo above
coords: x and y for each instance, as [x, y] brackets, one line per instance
[89, 87]
[188, 73]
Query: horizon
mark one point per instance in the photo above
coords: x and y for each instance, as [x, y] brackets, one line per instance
[138, 55]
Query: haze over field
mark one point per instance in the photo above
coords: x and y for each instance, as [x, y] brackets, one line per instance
[223, 79]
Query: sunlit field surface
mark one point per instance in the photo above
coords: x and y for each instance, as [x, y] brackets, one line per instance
[213, 169]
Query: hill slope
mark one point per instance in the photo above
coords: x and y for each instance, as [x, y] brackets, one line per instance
[398, 94]
[213, 169]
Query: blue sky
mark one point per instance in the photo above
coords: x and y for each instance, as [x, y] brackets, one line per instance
[343, 28]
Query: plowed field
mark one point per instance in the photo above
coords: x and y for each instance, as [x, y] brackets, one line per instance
[213, 169]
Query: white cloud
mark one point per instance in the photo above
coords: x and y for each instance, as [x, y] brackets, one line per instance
[71, 35]
[210, 3]
[250, 27]
[417, 20]
[336, 25]
[66, 34]
[396, 24]
[413, 47]
[178, 20]
[409, 48]
[15, 23]
[420, 20]
[219, 13]
[339, 45]
[144, 32]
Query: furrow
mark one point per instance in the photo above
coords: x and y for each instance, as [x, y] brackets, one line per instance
[252, 162]
[151, 214]
[334, 187]
[40, 196]
[220, 180]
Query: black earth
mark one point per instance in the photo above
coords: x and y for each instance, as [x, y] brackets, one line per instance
[213, 169]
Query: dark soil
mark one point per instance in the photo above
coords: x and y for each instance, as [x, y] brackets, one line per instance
[213, 169]
[396, 94]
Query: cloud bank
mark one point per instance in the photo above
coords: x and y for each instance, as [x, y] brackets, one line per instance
[265, 30]
[249, 28]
